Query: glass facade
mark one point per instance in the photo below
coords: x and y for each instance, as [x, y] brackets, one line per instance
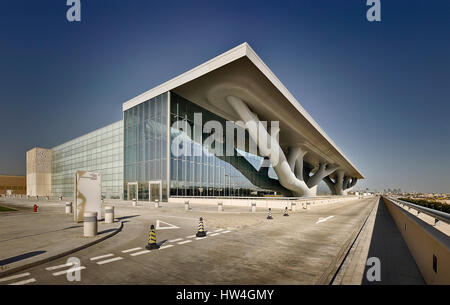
[153, 171]
[204, 173]
[145, 149]
[98, 151]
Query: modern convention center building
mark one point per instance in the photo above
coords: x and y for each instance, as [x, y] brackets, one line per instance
[227, 128]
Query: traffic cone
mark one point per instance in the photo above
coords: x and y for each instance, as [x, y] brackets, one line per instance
[201, 230]
[152, 245]
[285, 212]
[269, 216]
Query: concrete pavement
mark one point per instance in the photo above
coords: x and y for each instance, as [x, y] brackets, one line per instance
[241, 247]
[27, 237]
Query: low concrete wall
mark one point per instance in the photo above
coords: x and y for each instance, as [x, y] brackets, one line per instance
[274, 203]
[427, 245]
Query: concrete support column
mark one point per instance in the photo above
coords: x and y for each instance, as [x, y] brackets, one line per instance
[90, 224]
[109, 214]
[339, 183]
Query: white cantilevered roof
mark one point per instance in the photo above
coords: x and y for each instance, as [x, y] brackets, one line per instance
[242, 73]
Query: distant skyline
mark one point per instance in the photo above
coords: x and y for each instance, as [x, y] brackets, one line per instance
[380, 90]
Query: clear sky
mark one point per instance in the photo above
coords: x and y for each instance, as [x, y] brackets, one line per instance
[380, 90]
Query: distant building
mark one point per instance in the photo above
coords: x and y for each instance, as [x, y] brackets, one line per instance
[13, 184]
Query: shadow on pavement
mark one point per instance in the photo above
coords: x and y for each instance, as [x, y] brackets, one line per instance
[20, 257]
[106, 231]
[126, 217]
[161, 242]
[397, 264]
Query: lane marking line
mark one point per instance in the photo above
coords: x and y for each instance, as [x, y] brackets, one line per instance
[14, 277]
[69, 270]
[139, 253]
[59, 266]
[165, 247]
[170, 226]
[101, 256]
[131, 250]
[200, 238]
[184, 242]
[228, 231]
[190, 236]
[218, 230]
[110, 260]
[214, 234]
[24, 282]
[175, 240]
[324, 219]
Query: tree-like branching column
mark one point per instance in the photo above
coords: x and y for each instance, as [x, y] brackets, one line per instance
[290, 171]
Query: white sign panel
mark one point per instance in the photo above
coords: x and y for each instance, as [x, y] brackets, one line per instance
[88, 192]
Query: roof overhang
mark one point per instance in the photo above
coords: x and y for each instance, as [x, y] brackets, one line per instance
[242, 73]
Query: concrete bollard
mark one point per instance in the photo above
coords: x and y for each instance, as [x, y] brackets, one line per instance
[68, 207]
[90, 224]
[60, 198]
[253, 207]
[293, 207]
[186, 206]
[134, 202]
[220, 207]
[109, 214]
[156, 203]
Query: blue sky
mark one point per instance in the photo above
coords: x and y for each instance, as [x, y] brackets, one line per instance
[380, 90]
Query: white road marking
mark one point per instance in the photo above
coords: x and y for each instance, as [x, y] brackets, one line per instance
[228, 231]
[69, 270]
[109, 260]
[58, 267]
[190, 236]
[175, 240]
[200, 238]
[131, 250]
[184, 242]
[101, 256]
[12, 277]
[24, 282]
[214, 234]
[165, 247]
[324, 219]
[139, 253]
[218, 230]
[170, 226]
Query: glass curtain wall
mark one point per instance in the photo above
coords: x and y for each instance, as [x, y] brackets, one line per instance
[145, 147]
[206, 174]
[98, 151]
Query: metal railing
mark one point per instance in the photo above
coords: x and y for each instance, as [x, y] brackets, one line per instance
[437, 215]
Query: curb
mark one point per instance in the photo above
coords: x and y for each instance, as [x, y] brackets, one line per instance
[62, 254]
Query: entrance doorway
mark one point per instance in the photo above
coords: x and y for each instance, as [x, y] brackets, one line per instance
[132, 191]
[155, 190]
